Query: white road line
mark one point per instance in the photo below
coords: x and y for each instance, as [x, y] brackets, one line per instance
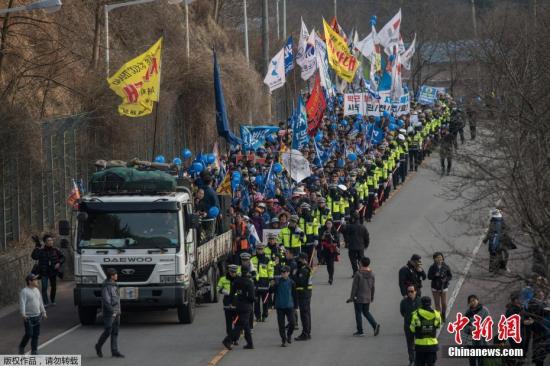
[58, 336]
[461, 280]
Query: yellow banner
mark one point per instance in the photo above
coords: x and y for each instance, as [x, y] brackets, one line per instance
[339, 57]
[225, 185]
[137, 82]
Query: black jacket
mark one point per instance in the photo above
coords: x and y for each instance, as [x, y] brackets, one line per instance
[408, 275]
[440, 276]
[47, 258]
[407, 307]
[356, 236]
[243, 294]
[303, 277]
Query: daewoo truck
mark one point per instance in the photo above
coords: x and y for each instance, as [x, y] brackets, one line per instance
[139, 219]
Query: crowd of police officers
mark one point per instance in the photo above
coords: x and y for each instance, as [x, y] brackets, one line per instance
[278, 274]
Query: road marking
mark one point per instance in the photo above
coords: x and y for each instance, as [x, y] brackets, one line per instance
[218, 358]
[461, 280]
[70, 330]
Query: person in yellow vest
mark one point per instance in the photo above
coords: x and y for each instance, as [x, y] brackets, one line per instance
[334, 203]
[264, 274]
[372, 189]
[322, 212]
[403, 153]
[424, 324]
[224, 288]
[310, 226]
[292, 237]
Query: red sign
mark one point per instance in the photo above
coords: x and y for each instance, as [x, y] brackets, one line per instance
[315, 107]
[508, 328]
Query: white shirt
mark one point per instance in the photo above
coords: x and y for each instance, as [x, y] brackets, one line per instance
[30, 302]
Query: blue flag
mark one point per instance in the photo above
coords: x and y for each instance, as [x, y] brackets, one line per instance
[289, 57]
[300, 137]
[254, 136]
[221, 113]
[375, 134]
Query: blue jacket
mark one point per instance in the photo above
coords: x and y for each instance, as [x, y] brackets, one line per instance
[285, 294]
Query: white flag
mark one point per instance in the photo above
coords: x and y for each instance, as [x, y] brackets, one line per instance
[323, 66]
[406, 57]
[296, 164]
[300, 52]
[275, 77]
[309, 65]
[389, 35]
[366, 45]
[396, 82]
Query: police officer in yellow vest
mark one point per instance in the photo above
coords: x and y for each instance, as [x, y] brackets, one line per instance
[424, 324]
[334, 203]
[264, 274]
[224, 288]
[310, 226]
[292, 237]
[322, 212]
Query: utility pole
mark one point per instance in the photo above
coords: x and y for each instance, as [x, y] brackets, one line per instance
[265, 45]
[335, 7]
[246, 51]
[474, 23]
[284, 19]
[277, 17]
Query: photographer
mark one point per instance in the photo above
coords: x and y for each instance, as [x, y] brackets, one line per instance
[50, 260]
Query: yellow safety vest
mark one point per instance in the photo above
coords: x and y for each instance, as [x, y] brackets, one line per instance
[290, 239]
[423, 325]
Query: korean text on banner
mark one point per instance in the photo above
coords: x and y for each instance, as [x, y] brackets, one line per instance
[364, 103]
[137, 82]
[428, 94]
[339, 57]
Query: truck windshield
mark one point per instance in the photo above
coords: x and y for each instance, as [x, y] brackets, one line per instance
[129, 230]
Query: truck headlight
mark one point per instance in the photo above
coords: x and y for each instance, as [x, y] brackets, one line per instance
[86, 280]
[171, 278]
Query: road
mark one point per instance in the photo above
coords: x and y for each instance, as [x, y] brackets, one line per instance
[414, 221]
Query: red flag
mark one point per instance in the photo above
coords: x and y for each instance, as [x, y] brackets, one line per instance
[315, 106]
[74, 196]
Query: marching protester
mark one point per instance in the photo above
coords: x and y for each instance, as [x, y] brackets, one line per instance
[440, 274]
[31, 308]
[286, 303]
[356, 238]
[110, 307]
[362, 295]
[49, 266]
[407, 307]
[330, 247]
[424, 324]
[412, 274]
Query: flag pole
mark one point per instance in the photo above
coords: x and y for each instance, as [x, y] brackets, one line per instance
[155, 122]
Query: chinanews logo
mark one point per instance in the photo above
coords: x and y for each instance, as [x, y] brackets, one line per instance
[128, 260]
[480, 332]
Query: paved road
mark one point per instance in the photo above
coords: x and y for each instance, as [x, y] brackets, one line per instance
[413, 221]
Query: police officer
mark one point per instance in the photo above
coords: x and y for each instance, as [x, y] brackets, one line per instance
[272, 249]
[424, 324]
[310, 226]
[242, 293]
[292, 237]
[224, 287]
[303, 290]
[264, 274]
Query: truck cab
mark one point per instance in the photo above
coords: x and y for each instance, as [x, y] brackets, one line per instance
[151, 240]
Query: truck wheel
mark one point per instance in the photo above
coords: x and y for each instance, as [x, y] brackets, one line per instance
[212, 295]
[186, 313]
[87, 314]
